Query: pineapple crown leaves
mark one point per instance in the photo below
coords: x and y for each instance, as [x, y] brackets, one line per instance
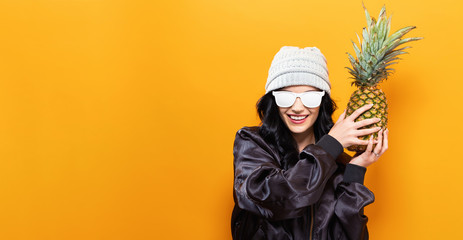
[377, 51]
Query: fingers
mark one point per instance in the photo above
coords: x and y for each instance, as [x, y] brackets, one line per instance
[359, 111]
[368, 157]
[379, 146]
[366, 122]
[367, 131]
[370, 145]
[385, 144]
[361, 142]
[342, 116]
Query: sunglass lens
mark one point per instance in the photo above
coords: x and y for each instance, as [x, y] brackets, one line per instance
[284, 99]
[311, 100]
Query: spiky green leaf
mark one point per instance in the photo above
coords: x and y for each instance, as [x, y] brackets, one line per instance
[377, 50]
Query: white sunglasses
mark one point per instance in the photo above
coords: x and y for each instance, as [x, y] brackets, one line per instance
[310, 99]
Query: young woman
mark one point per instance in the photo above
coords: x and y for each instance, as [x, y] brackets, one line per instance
[292, 179]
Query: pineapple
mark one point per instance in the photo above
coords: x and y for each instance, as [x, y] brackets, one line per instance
[376, 53]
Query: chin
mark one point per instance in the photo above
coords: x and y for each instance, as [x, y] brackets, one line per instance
[299, 129]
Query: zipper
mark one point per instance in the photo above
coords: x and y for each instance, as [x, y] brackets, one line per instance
[311, 222]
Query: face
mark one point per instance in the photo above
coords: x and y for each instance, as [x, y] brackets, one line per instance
[304, 126]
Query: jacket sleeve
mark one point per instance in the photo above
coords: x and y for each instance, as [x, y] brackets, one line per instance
[352, 197]
[262, 187]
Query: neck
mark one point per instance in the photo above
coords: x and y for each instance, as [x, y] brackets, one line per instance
[304, 139]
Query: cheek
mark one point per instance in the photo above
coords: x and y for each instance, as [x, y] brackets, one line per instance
[315, 113]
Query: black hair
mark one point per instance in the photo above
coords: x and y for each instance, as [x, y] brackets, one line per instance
[275, 132]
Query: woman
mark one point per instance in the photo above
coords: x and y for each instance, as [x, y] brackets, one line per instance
[292, 179]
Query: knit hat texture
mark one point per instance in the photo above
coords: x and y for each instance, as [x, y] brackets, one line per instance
[298, 66]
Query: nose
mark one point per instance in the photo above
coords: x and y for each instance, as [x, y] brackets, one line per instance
[298, 106]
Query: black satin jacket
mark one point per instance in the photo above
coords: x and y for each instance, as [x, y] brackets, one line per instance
[316, 198]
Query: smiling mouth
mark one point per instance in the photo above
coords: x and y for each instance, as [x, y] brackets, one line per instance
[298, 118]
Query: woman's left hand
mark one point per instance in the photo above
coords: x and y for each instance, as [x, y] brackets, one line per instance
[371, 155]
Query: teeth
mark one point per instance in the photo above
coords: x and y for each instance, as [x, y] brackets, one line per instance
[298, 118]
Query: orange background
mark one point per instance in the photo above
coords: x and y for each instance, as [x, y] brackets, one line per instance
[118, 117]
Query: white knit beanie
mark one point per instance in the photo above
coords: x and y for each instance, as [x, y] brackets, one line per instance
[296, 66]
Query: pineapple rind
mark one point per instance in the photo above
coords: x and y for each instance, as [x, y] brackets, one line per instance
[363, 96]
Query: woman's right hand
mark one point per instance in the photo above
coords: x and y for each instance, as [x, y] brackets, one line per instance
[347, 131]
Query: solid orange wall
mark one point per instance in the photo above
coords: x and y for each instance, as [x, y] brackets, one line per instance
[118, 117]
